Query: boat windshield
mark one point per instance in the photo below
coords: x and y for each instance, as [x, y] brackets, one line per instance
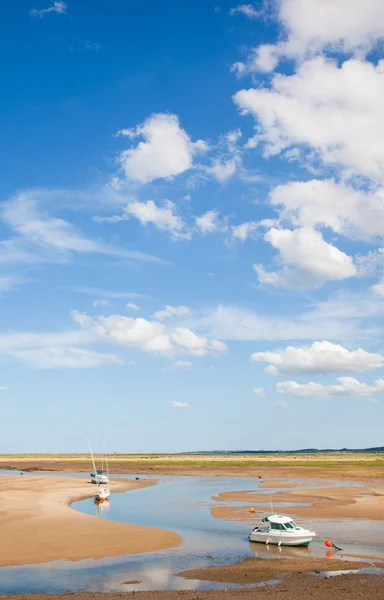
[291, 525]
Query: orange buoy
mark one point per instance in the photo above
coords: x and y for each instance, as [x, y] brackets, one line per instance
[251, 510]
[328, 543]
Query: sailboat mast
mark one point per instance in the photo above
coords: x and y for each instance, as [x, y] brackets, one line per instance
[106, 457]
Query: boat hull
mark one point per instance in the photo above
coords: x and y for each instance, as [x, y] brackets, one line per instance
[102, 495]
[280, 539]
[100, 479]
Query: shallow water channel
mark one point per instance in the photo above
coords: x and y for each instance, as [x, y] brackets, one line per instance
[182, 504]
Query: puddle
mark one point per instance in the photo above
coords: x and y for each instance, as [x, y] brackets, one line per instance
[181, 504]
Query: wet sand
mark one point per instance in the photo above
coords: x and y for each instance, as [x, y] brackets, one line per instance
[38, 525]
[343, 587]
[325, 502]
[255, 570]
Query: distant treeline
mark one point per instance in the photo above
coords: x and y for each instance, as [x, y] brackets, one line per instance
[301, 451]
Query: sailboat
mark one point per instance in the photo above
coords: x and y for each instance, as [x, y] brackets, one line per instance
[98, 475]
[102, 492]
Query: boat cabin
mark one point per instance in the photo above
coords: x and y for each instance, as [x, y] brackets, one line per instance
[280, 523]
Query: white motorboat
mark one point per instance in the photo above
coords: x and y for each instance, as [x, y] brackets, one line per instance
[282, 531]
[102, 494]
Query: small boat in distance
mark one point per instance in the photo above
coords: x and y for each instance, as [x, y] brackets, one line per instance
[102, 492]
[282, 531]
[98, 476]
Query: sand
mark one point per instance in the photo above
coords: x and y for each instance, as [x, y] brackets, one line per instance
[344, 587]
[254, 570]
[37, 524]
[347, 502]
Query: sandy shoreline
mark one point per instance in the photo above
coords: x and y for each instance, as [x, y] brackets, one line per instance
[254, 570]
[38, 525]
[343, 587]
[347, 502]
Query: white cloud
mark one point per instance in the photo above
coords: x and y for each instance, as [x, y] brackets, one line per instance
[248, 10]
[258, 391]
[64, 358]
[378, 288]
[208, 222]
[333, 111]
[345, 210]
[166, 151]
[320, 357]
[308, 260]
[42, 238]
[100, 303]
[179, 364]
[177, 404]
[312, 26]
[223, 170]
[163, 217]
[348, 386]
[281, 403]
[245, 230]
[197, 345]
[132, 306]
[150, 336]
[228, 322]
[83, 289]
[58, 7]
[173, 311]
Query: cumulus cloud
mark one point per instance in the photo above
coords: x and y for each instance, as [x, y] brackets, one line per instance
[58, 7]
[177, 404]
[208, 222]
[195, 344]
[308, 260]
[166, 151]
[162, 217]
[311, 26]
[173, 311]
[245, 230]
[326, 111]
[149, 336]
[348, 386]
[320, 357]
[325, 203]
[65, 358]
[378, 288]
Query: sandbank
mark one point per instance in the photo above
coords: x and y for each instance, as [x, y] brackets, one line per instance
[253, 570]
[38, 525]
[349, 502]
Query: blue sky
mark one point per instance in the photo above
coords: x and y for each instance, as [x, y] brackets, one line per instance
[191, 223]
